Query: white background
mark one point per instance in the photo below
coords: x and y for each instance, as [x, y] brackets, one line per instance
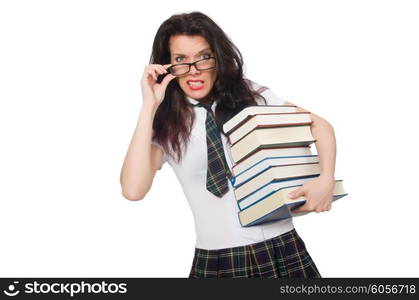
[70, 95]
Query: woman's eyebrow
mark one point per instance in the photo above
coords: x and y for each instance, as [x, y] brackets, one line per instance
[203, 50]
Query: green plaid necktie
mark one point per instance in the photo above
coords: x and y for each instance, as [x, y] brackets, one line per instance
[218, 172]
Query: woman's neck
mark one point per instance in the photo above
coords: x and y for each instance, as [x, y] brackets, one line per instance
[207, 99]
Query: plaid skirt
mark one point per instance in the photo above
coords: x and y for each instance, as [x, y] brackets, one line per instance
[284, 256]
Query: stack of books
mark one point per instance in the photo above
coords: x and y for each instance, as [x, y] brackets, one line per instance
[270, 147]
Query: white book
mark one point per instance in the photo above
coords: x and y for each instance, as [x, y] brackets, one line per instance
[268, 120]
[269, 162]
[249, 111]
[279, 205]
[269, 152]
[276, 173]
[269, 189]
[271, 137]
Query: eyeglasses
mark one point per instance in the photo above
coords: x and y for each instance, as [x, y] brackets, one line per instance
[201, 65]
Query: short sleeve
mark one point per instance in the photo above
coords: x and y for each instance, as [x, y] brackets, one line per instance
[164, 159]
[267, 93]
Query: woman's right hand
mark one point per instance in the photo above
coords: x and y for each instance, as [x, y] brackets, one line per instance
[153, 92]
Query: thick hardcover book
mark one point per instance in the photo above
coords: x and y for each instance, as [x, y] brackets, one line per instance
[271, 137]
[249, 111]
[270, 188]
[270, 162]
[260, 154]
[278, 206]
[274, 174]
[268, 121]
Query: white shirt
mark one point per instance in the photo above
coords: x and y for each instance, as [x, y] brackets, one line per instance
[216, 220]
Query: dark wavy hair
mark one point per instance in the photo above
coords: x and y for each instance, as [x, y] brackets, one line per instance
[175, 116]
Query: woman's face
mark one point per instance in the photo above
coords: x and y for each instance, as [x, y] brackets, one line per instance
[185, 48]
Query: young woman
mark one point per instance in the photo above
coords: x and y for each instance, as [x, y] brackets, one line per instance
[193, 62]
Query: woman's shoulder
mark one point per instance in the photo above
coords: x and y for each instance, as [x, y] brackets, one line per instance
[255, 86]
[271, 97]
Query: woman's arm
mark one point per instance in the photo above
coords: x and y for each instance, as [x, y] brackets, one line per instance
[319, 191]
[142, 159]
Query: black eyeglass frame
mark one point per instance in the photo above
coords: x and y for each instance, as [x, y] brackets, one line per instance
[192, 64]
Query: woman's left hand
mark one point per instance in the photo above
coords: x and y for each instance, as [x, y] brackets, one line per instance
[318, 193]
